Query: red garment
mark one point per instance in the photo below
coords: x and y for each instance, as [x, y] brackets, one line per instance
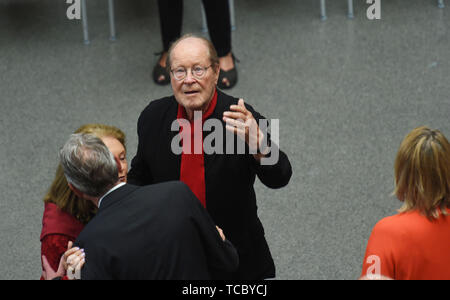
[408, 246]
[53, 247]
[192, 170]
[58, 228]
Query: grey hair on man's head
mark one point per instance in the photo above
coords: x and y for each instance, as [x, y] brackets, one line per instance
[88, 164]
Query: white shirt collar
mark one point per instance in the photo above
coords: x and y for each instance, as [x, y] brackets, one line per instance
[110, 191]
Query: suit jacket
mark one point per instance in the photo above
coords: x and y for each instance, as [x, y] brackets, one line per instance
[229, 180]
[153, 232]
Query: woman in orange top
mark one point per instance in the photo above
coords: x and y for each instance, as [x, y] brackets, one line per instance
[65, 215]
[415, 244]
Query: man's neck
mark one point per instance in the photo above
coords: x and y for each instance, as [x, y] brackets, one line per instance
[97, 201]
[190, 113]
[92, 199]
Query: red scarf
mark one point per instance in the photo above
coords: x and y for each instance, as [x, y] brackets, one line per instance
[192, 171]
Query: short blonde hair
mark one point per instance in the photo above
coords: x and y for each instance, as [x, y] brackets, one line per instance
[422, 172]
[59, 192]
[101, 131]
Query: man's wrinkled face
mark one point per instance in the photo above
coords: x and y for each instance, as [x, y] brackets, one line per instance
[191, 92]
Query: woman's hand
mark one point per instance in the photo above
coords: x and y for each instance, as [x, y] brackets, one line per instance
[74, 260]
[48, 273]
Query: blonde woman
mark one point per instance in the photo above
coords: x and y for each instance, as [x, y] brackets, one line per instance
[415, 243]
[65, 214]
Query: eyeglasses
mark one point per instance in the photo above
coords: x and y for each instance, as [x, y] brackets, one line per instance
[197, 72]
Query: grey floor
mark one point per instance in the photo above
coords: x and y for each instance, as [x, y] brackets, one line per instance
[346, 93]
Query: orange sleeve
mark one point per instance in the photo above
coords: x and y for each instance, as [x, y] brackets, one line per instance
[380, 252]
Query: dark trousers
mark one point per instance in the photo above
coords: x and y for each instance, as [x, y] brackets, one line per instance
[217, 16]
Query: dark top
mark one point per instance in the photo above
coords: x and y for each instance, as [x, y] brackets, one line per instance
[153, 232]
[229, 180]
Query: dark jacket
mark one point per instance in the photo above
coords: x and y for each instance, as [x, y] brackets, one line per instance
[153, 232]
[229, 180]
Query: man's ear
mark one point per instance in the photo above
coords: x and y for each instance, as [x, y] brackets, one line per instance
[216, 72]
[217, 68]
[75, 190]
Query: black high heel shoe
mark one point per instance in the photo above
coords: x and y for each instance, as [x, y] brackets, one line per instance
[230, 75]
[159, 71]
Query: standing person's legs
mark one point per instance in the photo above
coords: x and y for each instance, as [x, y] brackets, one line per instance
[219, 27]
[171, 21]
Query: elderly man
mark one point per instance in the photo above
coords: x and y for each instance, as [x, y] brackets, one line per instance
[153, 232]
[222, 180]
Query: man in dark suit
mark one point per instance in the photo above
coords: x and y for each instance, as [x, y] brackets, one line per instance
[154, 232]
[221, 179]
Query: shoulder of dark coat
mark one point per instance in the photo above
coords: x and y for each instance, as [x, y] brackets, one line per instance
[169, 187]
[159, 105]
[226, 100]
[171, 193]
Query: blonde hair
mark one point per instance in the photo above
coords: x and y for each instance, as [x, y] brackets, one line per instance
[101, 130]
[422, 172]
[59, 192]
